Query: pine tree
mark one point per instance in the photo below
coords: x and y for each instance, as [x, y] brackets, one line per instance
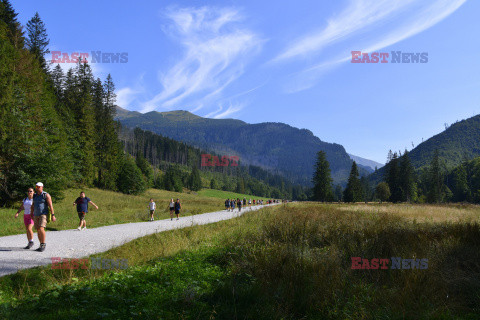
[461, 191]
[322, 181]
[366, 190]
[146, 169]
[37, 39]
[435, 180]
[9, 16]
[213, 184]
[407, 183]
[195, 182]
[392, 177]
[58, 79]
[130, 179]
[85, 122]
[353, 191]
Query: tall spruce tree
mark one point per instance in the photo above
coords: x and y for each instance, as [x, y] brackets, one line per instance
[435, 180]
[407, 183]
[392, 177]
[353, 192]
[322, 181]
[461, 191]
[37, 39]
[85, 122]
[194, 181]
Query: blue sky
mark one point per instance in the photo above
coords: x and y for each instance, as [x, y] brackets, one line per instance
[285, 62]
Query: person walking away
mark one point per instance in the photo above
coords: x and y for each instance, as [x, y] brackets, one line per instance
[227, 205]
[82, 208]
[239, 204]
[152, 206]
[172, 208]
[232, 204]
[250, 203]
[42, 201]
[27, 217]
[178, 206]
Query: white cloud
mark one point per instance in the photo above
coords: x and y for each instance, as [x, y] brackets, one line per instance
[411, 18]
[126, 96]
[232, 108]
[216, 50]
[359, 15]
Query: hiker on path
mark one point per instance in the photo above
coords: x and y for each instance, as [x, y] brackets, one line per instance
[42, 201]
[82, 208]
[27, 217]
[239, 204]
[171, 206]
[152, 206]
[227, 205]
[232, 204]
[178, 207]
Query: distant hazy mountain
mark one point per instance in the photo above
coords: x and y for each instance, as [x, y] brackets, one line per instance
[276, 146]
[366, 163]
[460, 141]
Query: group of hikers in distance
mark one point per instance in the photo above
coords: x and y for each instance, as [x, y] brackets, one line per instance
[231, 203]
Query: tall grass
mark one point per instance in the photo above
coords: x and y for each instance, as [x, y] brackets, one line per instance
[285, 262]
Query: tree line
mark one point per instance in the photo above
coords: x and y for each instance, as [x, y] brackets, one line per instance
[434, 183]
[175, 165]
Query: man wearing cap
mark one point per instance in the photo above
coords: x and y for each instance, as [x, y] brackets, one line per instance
[41, 202]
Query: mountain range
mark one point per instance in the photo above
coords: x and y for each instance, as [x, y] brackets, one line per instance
[274, 146]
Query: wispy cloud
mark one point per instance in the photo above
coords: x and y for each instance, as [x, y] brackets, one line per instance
[126, 96]
[216, 49]
[218, 114]
[361, 17]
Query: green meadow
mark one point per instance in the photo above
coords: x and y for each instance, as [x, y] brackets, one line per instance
[285, 262]
[115, 208]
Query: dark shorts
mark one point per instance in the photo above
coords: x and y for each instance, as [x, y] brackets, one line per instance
[81, 215]
[177, 211]
[172, 209]
[152, 211]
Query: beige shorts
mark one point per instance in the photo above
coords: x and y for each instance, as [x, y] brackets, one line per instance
[40, 221]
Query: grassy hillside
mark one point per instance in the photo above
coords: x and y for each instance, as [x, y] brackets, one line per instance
[291, 262]
[459, 142]
[276, 146]
[115, 208]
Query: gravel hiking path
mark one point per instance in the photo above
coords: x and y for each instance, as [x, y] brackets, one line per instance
[79, 244]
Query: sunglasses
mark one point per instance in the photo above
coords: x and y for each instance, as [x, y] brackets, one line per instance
[30, 191]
